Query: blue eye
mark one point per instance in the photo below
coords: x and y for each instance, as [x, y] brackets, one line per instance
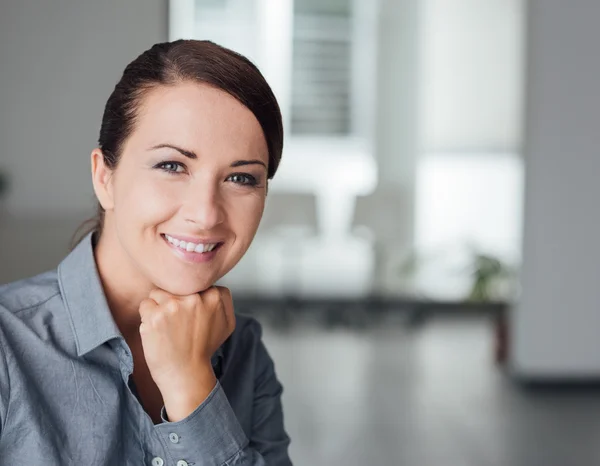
[243, 179]
[171, 167]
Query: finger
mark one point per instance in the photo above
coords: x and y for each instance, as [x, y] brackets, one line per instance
[228, 310]
[148, 307]
[160, 296]
[210, 297]
[191, 301]
[170, 305]
[212, 303]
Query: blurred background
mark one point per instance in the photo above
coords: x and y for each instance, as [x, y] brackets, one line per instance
[427, 267]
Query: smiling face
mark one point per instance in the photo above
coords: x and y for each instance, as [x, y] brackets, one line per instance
[194, 169]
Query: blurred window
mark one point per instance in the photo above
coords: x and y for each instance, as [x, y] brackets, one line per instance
[321, 67]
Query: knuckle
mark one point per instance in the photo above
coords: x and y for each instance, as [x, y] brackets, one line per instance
[146, 306]
[214, 293]
[172, 305]
[211, 297]
[145, 303]
[193, 300]
[224, 292]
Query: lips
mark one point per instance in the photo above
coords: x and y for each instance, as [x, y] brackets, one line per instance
[192, 246]
[193, 252]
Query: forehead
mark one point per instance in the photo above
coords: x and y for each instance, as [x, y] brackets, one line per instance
[201, 118]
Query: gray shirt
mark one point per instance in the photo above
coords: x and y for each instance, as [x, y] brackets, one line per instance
[66, 396]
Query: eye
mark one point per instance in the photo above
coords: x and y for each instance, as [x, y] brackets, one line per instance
[171, 167]
[243, 179]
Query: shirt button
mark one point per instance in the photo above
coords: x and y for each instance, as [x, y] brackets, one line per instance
[157, 461]
[174, 438]
[182, 463]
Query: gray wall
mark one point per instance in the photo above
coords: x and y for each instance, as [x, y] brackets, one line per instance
[557, 323]
[60, 61]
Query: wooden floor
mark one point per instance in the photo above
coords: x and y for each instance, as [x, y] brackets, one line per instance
[425, 396]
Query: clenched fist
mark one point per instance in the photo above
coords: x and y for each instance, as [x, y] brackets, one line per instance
[179, 336]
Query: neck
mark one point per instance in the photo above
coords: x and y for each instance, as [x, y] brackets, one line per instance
[124, 286]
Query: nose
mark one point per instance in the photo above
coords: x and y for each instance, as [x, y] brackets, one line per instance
[203, 206]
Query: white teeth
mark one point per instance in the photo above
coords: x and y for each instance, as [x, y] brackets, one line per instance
[199, 248]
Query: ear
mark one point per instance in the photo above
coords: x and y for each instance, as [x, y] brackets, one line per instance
[101, 178]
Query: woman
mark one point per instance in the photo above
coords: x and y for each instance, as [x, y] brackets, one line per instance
[127, 354]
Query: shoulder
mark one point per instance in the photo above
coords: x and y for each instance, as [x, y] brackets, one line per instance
[29, 293]
[19, 303]
[244, 349]
[248, 327]
[30, 305]
[247, 333]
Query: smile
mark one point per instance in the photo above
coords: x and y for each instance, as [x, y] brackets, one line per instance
[191, 247]
[193, 251]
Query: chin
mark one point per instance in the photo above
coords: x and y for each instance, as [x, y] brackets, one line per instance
[179, 288]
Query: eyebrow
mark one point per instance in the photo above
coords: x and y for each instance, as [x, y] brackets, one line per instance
[191, 155]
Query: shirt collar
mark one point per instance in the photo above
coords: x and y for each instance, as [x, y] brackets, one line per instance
[84, 298]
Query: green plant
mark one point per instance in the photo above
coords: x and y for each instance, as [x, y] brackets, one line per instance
[489, 274]
[492, 278]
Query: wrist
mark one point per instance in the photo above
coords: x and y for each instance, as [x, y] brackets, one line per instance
[183, 395]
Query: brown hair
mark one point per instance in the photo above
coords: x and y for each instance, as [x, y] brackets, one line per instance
[171, 63]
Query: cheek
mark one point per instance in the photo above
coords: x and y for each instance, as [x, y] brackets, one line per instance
[146, 201]
[244, 216]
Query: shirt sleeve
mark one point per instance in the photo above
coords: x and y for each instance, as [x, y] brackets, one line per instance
[212, 435]
[4, 383]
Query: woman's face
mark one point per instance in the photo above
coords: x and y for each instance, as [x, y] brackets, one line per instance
[188, 193]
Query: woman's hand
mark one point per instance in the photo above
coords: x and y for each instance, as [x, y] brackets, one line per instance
[179, 336]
